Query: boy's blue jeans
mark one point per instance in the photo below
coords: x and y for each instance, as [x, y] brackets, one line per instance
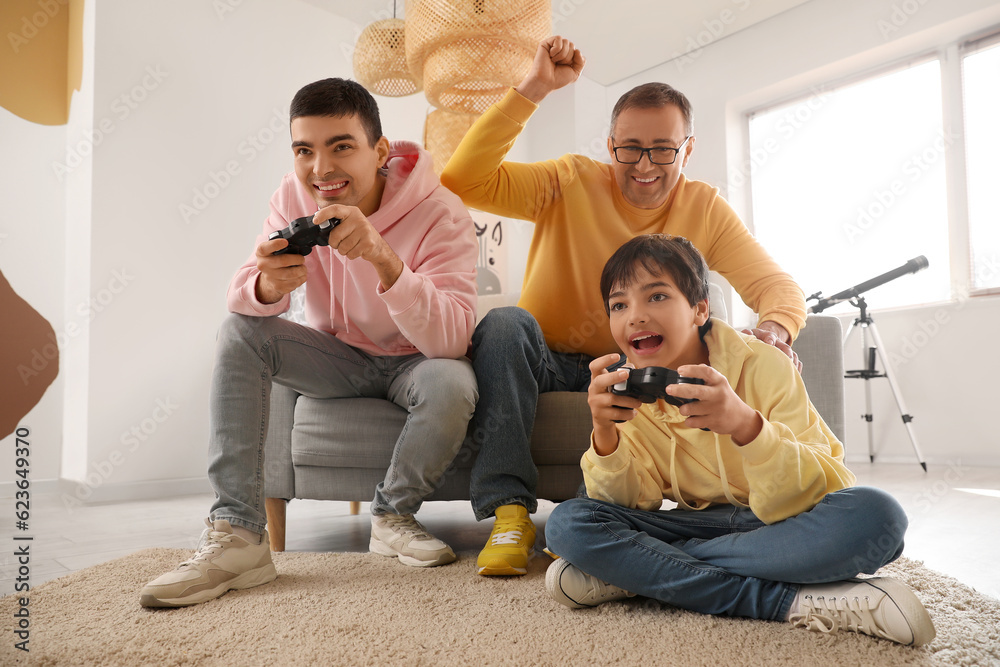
[439, 395]
[724, 560]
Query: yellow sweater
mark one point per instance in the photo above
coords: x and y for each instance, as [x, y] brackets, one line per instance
[581, 218]
[784, 471]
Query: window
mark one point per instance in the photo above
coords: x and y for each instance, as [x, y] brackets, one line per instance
[850, 183]
[981, 74]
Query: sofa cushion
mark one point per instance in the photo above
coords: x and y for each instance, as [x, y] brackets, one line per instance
[365, 440]
[345, 432]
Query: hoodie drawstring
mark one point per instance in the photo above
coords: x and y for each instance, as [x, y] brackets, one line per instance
[673, 476]
[675, 487]
[722, 475]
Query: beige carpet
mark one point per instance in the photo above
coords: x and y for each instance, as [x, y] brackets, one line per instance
[362, 609]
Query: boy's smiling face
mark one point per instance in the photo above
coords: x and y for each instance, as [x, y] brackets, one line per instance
[653, 323]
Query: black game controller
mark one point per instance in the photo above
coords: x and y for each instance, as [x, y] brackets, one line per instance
[302, 235]
[650, 383]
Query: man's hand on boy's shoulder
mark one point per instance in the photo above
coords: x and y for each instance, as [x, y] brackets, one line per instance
[718, 408]
[774, 334]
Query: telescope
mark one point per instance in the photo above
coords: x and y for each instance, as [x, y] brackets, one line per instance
[822, 303]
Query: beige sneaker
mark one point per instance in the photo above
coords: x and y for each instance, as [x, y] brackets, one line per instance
[571, 586]
[401, 536]
[223, 562]
[880, 607]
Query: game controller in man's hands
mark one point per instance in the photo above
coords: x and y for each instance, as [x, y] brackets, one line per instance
[302, 235]
[650, 383]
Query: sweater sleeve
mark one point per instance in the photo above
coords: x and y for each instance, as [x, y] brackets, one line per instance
[433, 302]
[242, 295]
[478, 173]
[764, 287]
[622, 477]
[795, 460]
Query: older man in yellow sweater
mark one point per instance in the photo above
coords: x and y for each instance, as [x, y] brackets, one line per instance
[583, 211]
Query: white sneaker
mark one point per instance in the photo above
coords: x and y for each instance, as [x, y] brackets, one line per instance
[223, 562]
[880, 607]
[401, 536]
[576, 589]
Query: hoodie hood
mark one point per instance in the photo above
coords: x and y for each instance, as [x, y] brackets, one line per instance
[410, 179]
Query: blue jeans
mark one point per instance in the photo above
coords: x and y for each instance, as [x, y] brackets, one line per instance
[439, 394]
[724, 560]
[513, 365]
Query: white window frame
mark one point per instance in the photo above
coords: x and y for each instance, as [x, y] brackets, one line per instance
[980, 42]
[951, 58]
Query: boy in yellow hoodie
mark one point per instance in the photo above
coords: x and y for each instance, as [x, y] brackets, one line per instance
[768, 523]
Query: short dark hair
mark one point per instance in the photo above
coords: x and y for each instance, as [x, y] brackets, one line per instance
[654, 95]
[658, 254]
[338, 97]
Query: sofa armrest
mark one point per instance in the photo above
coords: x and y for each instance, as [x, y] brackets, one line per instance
[820, 348]
[279, 479]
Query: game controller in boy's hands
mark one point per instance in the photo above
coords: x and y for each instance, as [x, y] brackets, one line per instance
[650, 383]
[302, 235]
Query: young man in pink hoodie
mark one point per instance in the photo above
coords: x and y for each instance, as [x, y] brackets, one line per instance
[391, 306]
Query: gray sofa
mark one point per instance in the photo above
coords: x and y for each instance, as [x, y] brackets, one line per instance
[339, 449]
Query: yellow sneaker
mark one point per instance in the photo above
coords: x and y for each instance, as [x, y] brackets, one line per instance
[511, 543]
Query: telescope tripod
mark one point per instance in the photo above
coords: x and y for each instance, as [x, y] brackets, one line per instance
[869, 371]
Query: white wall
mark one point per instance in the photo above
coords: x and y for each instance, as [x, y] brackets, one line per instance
[947, 371]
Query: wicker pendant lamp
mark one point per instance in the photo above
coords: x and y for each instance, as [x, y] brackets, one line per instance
[466, 53]
[443, 130]
[380, 59]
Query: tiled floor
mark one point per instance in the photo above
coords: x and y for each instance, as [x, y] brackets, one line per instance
[953, 525]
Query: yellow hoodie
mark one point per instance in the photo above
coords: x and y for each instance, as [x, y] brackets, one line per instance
[787, 469]
[581, 218]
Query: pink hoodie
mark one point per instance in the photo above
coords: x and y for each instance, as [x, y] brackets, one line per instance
[431, 308]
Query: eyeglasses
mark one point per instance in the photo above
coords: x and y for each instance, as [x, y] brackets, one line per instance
[657, 154]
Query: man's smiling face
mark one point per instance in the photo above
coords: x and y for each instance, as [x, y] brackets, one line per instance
[648, 185]
[335, 162]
